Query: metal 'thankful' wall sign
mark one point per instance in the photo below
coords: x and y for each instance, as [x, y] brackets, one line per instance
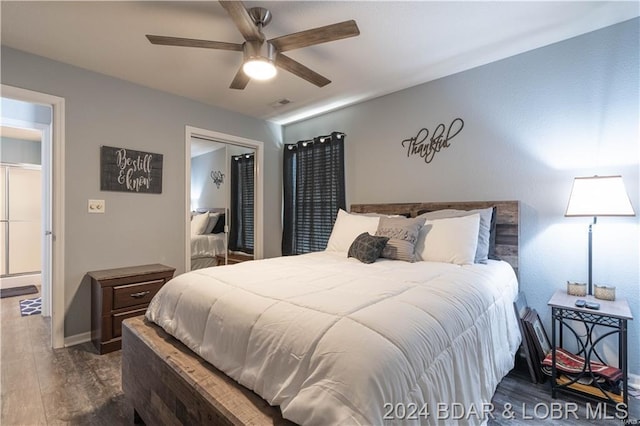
[130, 171]
[427, 144]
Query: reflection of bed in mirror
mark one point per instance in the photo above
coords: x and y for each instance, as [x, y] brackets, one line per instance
[208, 238]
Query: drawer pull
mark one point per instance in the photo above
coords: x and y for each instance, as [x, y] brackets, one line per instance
[139, 295]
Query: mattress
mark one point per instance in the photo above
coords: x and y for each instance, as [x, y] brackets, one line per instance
[335, 341]
[207, 245]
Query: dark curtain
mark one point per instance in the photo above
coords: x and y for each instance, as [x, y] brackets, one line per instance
[242, 197]
[314, 191]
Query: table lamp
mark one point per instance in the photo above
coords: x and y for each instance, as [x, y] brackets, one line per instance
[598, 196]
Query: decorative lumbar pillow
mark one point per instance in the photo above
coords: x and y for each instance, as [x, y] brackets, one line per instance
[213, 219]
[451, 240]
[199, 223]
[486, 232]
[403, 234]
[347, 227]
[367, 248]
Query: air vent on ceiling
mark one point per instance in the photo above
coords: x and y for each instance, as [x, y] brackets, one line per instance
[280, 103]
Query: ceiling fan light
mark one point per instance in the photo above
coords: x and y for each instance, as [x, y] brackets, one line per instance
[259, 69]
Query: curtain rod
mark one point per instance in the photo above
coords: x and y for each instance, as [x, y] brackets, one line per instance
[247, 155]
[339, 135]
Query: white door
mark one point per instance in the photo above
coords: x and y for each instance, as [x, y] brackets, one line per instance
[25, 215]
[4, 222]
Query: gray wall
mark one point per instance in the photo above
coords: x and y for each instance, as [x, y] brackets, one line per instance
[136, 228]
[532, 123]
[204, 192]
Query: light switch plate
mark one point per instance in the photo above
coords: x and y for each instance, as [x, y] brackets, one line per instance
[96, 206]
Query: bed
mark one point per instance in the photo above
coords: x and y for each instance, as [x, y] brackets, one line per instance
[300, 332]
[206, 246]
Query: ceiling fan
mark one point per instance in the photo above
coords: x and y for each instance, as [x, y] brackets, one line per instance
[261, 55]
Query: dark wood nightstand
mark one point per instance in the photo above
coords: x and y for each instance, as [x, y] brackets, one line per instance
[612, 318]
[233, 258]
[117, 294]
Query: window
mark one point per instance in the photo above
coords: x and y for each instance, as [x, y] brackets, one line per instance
[314, 191]
[242, 190]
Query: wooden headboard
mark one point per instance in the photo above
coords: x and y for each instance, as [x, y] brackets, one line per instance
[507, 220]
[210, 209]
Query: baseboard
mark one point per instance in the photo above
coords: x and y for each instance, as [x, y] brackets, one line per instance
[634, 380]
[77, 339]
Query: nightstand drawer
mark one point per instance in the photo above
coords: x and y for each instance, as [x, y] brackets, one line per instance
[135, 294]
[120, 293]
[118, 318]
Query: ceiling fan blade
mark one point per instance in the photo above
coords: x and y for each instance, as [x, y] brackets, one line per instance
[301, 71]
[243, 20]
[240, 81]
[318, 35]
[190, 42]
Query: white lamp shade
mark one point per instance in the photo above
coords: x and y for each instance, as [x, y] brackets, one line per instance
[599, 196]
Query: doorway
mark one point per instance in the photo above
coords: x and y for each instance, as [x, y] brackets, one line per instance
[20, 110]
[223, 149]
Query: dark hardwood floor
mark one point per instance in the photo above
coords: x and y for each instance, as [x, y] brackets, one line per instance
[76, 386]
[40, 385]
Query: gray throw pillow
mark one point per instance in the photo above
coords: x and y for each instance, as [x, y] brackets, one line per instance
[403, 234]
[367, 248]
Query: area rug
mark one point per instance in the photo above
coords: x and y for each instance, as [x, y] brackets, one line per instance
[31, 307]
[18, 291]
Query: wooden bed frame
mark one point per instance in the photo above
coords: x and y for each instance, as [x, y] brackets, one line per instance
[166, 383]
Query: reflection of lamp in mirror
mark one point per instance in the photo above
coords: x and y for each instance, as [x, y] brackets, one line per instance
[598, 196]
[218, 177]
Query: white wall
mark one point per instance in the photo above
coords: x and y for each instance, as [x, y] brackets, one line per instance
[136, 228]
[532, 123]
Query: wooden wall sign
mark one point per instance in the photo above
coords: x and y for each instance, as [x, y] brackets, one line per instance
[127, 170]
[426, 144]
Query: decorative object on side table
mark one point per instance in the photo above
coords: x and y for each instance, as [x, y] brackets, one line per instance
[576, 289]
[598, 196]
[604, 292]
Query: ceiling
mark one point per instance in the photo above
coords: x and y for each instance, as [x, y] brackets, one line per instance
[401, 44]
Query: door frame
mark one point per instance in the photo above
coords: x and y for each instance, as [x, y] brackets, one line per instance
[258, 146]
[45, 187]
[56, 182]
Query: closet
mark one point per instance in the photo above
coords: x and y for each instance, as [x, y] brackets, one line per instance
[222, 203]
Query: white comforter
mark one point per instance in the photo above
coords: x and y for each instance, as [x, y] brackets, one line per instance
[335, 341]
[207, 245]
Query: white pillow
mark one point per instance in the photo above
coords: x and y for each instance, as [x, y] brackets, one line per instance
[213, 219]
[347, 227]
[199, 224]
[451, 240]
[484, 234]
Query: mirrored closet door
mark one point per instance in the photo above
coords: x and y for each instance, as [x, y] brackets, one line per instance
[222, 203]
